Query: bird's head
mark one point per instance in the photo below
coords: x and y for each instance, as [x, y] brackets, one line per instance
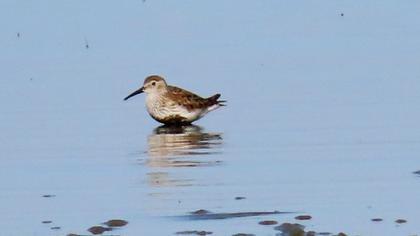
[153, 84]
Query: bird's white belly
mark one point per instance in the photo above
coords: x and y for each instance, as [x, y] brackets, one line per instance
[162, 110]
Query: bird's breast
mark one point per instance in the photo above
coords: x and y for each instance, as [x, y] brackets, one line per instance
[155, 105]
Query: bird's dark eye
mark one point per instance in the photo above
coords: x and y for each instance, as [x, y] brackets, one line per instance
[154, 83]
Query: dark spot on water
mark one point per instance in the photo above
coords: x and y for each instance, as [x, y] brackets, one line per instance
[204, 215]
[115, 223]
[291, 229]
[200, 212]
[324, 233]
[240, 198]
[310, 233]
[243, 234]
[195, 232]
[55, 228]
[73, 234]
[98, 229]
[376, 219]
[268, 222]
[400, 221]
[86, 43]
[303, 217]
[417, 172]
[47, 222]
[48, 195]
[342, 14]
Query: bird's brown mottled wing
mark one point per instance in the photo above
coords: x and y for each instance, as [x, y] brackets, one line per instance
[187, 99]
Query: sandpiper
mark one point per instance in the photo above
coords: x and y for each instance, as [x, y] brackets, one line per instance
[171, 105]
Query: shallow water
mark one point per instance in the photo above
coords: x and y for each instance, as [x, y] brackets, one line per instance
[322, 117]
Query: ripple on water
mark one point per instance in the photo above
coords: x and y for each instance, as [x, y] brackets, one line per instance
[207, 215]
[194, 232]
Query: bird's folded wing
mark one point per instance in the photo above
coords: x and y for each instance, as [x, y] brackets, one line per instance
[185, 98]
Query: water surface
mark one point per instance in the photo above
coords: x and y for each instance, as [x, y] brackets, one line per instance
[322, 116]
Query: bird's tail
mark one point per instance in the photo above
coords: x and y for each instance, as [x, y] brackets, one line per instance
[214, 100]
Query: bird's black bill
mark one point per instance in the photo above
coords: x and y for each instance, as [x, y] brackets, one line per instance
[140, 90]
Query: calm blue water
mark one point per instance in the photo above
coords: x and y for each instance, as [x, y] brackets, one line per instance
[322, 115]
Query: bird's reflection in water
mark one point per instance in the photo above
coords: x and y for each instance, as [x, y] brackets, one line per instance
[175, 146]
[180, 146]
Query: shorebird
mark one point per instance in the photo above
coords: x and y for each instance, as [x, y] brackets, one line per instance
[171, 105]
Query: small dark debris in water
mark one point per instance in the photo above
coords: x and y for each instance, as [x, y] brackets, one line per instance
[47, 222]
[98, 229]
[55, 228]
[196, 232]
[218, 216]
[200, 212]
[73, 235]
[324, 233]
[115, 223]
[287, 228]
[342, 14]
[48, 195]
[303, 217]
[376, 219]
[310, 233]
[86, 44]
[400, 221]
[243, 234]
[18, 34]
[240, 198]
[416, 172]
[268, 222]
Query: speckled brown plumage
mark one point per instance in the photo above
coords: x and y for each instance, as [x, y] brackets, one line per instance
[190, 100]
[172, 105]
